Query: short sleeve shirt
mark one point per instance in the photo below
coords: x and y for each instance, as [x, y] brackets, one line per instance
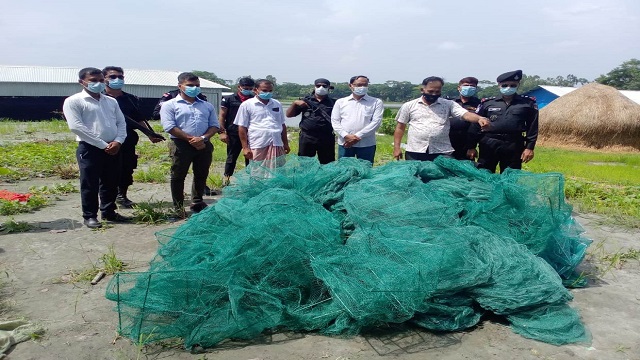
[429, 124]
[263, 121]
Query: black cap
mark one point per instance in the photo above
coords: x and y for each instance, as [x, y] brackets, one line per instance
[510, 76]
[321, 81]
[246, 81]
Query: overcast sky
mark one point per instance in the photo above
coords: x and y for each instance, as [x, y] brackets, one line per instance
[298, 41]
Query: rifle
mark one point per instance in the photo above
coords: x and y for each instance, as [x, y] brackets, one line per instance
[147, 131]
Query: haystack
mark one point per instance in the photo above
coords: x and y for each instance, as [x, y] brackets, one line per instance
[594, 115]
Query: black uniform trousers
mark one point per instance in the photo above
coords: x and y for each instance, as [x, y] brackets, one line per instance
[504, 152]
[459, 143]
[323, 145]
[182, 156]
[234, 148]
[99, 176]
[129, 159]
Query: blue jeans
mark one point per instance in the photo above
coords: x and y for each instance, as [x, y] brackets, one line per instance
[364, 153]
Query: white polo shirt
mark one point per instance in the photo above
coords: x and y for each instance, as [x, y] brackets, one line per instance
[96, 122]
[359, 117]
[429, 124]
[263, 121]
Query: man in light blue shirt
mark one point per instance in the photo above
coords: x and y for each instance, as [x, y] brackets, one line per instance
[191, 122]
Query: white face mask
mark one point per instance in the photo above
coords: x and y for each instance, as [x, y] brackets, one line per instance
[360, 90]
[322, 91]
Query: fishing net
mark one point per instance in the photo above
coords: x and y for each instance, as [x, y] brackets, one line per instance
[344, 247]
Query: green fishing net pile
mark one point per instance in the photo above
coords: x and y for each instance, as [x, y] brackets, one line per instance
[344, 247]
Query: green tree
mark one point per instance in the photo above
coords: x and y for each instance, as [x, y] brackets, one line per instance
[272, 79]
[210, 76]
[623, 77]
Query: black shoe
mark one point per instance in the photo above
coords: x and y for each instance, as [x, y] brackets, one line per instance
[197, 207]
[92, 223]
[115, 217]
[123, 201]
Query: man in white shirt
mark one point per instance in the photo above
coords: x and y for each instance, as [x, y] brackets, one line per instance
[100, 130]
[261, 126]
[355, 119]
[429, 116]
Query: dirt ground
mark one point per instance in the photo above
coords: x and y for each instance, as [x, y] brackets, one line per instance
[81, 324]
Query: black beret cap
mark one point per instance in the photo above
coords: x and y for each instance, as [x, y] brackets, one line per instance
[510, 76]
[321, 81]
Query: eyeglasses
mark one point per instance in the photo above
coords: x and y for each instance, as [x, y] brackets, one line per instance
[322, 85]
[508, 86]
[112, 77]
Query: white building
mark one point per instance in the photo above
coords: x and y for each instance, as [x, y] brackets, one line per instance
[37, 92]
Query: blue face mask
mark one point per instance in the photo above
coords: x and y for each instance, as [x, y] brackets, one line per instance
[192, 91]
[468, 90]
[508, 90]
[95, 87]
[265, 95]
[116, 84]
[246, 92]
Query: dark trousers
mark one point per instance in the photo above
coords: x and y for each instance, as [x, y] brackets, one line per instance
[365, 153]
[502, 152]
[234, 148]
[129, 159]
[99, 176]
[182, 156]
[459, 144]
[409, 155]
[323, 146]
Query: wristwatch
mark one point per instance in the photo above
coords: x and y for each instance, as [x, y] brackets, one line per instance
[204, 138]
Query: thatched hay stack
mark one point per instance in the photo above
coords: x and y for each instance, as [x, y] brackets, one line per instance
[594, 115]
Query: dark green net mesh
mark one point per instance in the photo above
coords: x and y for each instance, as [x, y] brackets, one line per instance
[343, 247]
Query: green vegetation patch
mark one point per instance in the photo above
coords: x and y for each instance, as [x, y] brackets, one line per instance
[28, 159]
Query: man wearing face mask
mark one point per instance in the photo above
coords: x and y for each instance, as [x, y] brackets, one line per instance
[130, 106]
[100, 130]
[191, 123]
[262, 129]
[511, 116]
[430, 118]
[355, 119]
[228, 131]
[316, 133]
[459, 131]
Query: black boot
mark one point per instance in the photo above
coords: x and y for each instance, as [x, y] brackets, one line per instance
[122, 199]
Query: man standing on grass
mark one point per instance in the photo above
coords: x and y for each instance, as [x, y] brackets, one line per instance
[316, 132]
[430, 118]
[355, 119]
[228, 130]
[191, 122]
[261, 126]
[130, 107]
[459, 131]
[100, 130]
[511, 116]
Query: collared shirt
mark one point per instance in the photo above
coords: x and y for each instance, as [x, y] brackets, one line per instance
[232, 104]
[521, 115]
[359, 117]
[429, 124]
[96, 122]
[192, 118]
[263, 121]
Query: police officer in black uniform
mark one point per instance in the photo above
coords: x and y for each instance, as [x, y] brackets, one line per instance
[459, 130]
[228, 130]
[316, 132]
[511, 116]
[130, 106]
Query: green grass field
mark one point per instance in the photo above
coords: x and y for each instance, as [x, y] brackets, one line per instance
[598, 182]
